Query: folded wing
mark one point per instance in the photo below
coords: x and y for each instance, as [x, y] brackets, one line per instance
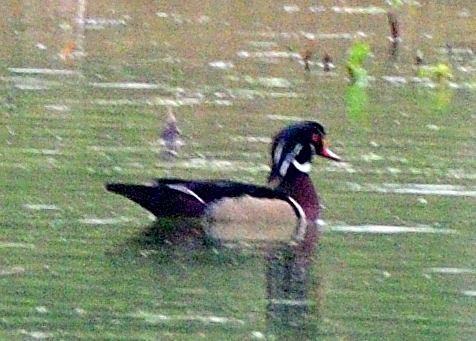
[253, 219]
[232, 210]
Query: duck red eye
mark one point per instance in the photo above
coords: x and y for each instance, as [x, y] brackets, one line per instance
[316, 137]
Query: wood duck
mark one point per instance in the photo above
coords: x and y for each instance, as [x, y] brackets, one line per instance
[282, 210]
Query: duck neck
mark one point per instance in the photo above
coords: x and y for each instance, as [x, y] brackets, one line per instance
[301, 189]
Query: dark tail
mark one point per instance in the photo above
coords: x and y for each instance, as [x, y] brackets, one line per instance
[132, 192]
[147, 196]
[160, 200]
[116, 188]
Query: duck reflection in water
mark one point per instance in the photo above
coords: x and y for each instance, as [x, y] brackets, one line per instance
[284, 213]
[288, 269]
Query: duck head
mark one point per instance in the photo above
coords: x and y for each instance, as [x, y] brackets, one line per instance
[293, 149]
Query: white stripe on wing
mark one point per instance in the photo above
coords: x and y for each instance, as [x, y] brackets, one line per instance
[183, 189]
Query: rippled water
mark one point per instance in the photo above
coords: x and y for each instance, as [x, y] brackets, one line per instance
[84, 87]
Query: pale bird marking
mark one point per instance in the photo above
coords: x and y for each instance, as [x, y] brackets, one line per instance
[290, 158]
[278, 151]
[302, 167]
[185, 190]
[302, 221]
[255, 219]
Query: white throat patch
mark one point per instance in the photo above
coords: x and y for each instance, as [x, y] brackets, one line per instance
[302, 167]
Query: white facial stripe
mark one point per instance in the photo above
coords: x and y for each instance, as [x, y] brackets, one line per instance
[185, 190]
[278, 151]
[291, 159]
[284, 167]
[313, 148]
[277, 157]
[296, 149]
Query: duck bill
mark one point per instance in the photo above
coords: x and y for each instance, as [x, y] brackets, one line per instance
[327, 153]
